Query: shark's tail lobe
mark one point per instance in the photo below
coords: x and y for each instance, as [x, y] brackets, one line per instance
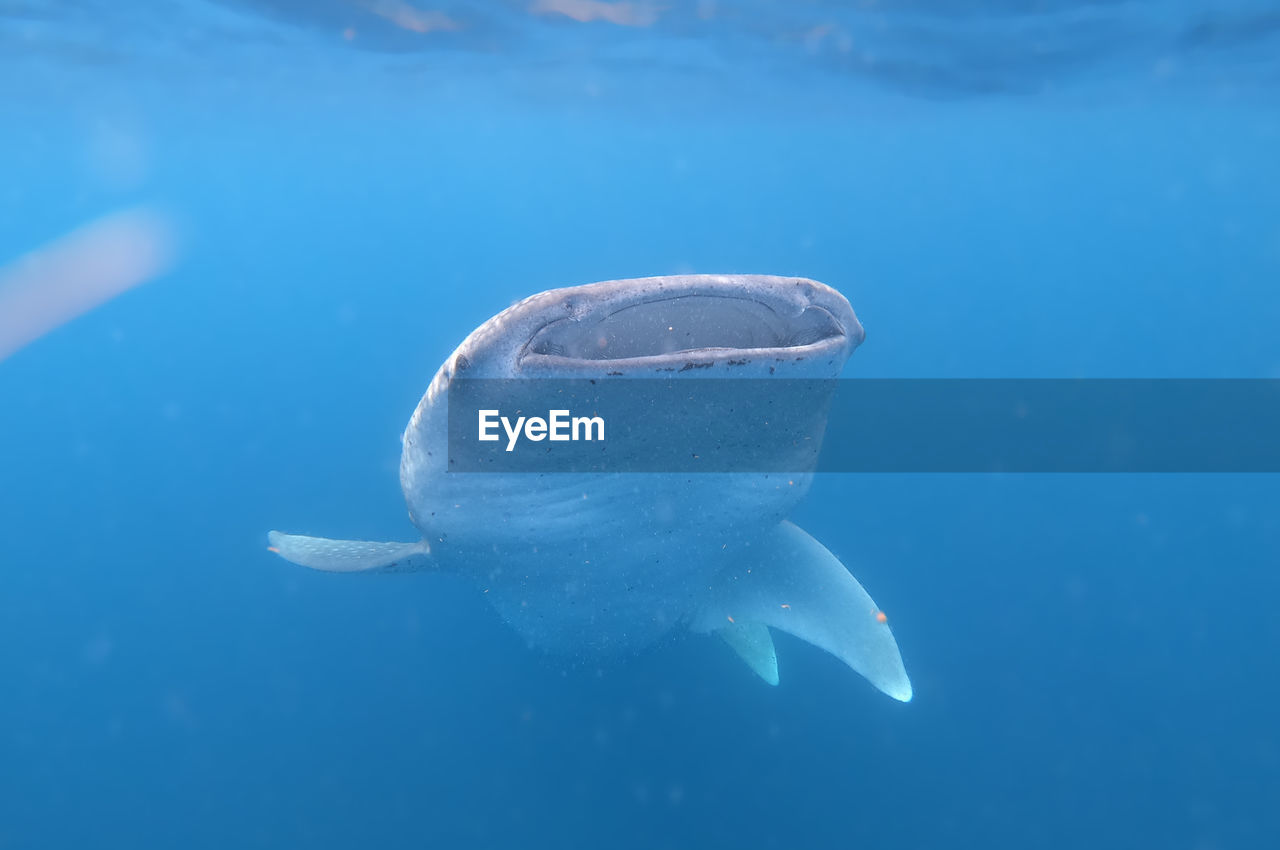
[789, 581]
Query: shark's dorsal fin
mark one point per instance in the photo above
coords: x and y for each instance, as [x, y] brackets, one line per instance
[350, 556]
[754, 645]
[789, 581]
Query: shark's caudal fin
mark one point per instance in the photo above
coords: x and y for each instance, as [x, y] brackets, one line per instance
[790, 581]
[350, 556]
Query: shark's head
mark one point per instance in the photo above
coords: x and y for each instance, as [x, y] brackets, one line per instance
[682, 327]
[707, 325]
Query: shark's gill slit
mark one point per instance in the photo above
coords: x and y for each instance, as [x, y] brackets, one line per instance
[683, 323]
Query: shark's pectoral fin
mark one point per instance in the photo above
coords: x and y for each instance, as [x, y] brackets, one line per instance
[350, 556]
[754, 645]
[790, 581]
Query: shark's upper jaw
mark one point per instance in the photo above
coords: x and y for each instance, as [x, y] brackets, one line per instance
[653, 323]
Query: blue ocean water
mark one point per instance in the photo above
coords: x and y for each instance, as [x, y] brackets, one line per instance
[1001, 189]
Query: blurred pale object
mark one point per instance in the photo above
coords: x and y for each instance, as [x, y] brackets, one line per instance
[409, 17]
[623, 14]
[72, 275]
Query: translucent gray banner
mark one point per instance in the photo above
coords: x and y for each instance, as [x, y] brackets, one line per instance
[796, 426]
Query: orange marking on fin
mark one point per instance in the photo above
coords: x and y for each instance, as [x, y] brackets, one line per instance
[273, 549]
[881, 617]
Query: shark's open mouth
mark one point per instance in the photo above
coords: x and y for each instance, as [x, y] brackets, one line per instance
[684, 323]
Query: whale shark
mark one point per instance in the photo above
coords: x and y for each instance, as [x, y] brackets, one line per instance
[603, 563]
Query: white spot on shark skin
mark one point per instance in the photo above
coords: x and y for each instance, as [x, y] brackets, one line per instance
[598, 564]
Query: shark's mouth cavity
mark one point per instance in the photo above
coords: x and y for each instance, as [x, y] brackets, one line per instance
[684, 323]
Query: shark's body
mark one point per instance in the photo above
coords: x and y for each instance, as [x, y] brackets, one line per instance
[608, 562]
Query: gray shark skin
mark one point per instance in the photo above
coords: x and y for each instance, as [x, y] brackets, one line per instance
[607, 563]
